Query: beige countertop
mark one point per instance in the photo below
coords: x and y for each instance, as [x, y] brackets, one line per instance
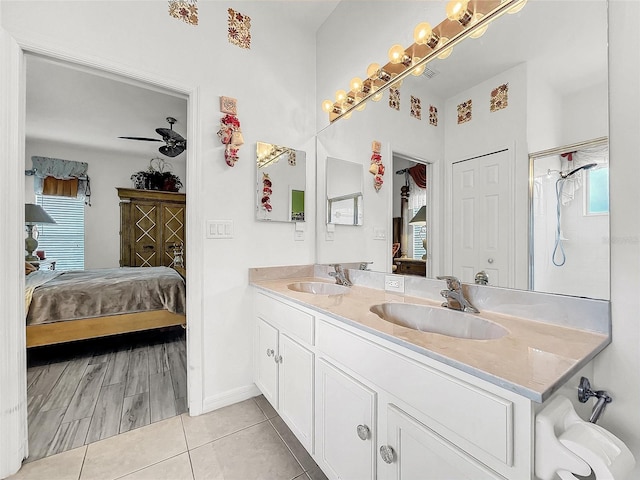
[533, 359]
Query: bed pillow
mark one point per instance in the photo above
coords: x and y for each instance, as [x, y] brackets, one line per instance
[28, 268]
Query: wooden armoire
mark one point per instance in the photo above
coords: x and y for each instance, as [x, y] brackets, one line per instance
[151, 224]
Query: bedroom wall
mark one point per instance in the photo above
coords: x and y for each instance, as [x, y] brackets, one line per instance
[274, 82]
[107, 171]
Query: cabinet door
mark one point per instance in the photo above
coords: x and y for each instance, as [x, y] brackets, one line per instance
[172, 230]
[418, 453]
[295, 396]
[344, 450]
[266, 368]
[146, 235]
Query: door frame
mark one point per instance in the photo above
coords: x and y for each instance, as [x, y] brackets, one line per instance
[13, 416]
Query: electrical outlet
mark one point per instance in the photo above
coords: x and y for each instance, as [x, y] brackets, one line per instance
[379, 234]
[394, 283]
[298, 236]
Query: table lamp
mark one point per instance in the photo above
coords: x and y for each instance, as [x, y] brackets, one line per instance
[420, 218]
[33, 215]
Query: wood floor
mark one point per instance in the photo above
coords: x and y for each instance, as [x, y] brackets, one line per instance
[83, 392]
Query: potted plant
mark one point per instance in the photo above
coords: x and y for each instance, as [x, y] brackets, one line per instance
[157, 177]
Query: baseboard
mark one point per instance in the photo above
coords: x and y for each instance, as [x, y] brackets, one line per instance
[229, 397]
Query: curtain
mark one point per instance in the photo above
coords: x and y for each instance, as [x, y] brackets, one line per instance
[417, 187]
[57, 177]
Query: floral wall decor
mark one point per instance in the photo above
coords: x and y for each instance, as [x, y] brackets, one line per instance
[377, 167]
[394, 98]
[185, 10]
[499, 97]
[416, 108]
[433, 116]
[229, 105]
[239, 29]
[266, 192]
[464, 111]
[230, 134]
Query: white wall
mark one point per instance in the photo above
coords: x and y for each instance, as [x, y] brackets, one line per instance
[274, 84]
[585, 114]
[107, 170]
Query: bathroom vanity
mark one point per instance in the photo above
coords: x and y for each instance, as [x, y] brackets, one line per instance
[369, 398]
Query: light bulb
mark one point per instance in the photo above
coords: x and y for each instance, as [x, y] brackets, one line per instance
[447, 51]
[327, 106]
[456, 9]
[341, 96]
[421, 33]
[396, 53]
[417, 71]
[347, 116]
[372, 70]
[517, 7]
[356, 84]
[377, 96]
[480, 31]
[361, 106]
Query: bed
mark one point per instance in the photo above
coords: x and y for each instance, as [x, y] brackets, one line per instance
[77, 305]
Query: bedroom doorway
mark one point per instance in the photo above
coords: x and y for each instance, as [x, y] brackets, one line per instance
[88, 390]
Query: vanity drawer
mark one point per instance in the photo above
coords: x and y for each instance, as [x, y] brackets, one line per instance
[293, 321]
[476, 420]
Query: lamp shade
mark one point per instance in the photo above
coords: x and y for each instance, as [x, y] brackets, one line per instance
[35, 214]
[420, 218]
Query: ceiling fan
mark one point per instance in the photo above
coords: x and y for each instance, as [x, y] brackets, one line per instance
[175, 143]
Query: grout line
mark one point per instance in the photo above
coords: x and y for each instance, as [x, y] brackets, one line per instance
[287, 445]
[84, 457]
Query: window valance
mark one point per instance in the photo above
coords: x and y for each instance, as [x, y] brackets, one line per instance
[67, 178]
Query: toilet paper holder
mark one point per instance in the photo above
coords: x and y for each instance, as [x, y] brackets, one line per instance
[585, 393]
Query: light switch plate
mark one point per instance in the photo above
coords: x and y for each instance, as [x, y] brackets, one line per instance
[394, 283]
[220, 229]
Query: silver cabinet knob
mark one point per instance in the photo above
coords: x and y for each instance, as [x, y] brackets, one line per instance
[270, 352]
[490, 260]
[363, 432]
[387, 453]
[277, 359]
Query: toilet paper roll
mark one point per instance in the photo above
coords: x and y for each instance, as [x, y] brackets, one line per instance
[606, 454]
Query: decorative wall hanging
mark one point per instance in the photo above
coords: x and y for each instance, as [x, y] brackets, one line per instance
[499, 97]
[394, 98]
[377, 167]
[266, 192]
[433, 116]
[230, 133]
[229, 105]
[464, 111]
[185, 10]
[416, 108]
[292, 157]
[239, 31]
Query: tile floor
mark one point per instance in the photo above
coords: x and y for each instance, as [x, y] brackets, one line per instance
[244, 441]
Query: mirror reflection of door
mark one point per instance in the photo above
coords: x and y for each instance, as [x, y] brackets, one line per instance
[482, 218]
[410, 219]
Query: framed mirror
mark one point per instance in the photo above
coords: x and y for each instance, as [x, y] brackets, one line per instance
[281, 175]
[344, 192]
[502, 96]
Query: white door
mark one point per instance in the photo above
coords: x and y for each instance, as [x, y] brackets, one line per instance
[345, 425]
[418, 453]
[266, 369]
[296, 389]
[482, 218]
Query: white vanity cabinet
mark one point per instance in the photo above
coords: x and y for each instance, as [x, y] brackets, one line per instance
[284, 363]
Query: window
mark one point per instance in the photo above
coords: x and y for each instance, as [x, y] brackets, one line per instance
[597, 191]
[63, 240]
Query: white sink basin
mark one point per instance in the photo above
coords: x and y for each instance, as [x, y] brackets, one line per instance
[319, 288]
[439, 320]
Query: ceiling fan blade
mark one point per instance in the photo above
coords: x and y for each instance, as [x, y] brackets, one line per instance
[168, 133]
[143, 138]
[171, 151]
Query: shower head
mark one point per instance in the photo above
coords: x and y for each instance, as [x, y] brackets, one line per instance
[576, 170]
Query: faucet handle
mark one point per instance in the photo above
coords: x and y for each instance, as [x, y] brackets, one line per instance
[452, 282]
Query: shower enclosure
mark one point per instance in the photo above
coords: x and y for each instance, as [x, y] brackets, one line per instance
[569, 220]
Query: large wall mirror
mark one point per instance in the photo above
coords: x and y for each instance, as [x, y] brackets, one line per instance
[344, 192]
[281, 174]
[474, 118]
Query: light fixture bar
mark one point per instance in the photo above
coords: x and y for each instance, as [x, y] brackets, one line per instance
[453, 30]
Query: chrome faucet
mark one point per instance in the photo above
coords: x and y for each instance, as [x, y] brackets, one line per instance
[340, 275]
[455, 299]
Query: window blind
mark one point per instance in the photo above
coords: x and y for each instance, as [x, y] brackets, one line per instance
[64, 240]
[419, 234]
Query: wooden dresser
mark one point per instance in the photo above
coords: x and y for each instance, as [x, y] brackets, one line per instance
[410, 266]
[151, 223]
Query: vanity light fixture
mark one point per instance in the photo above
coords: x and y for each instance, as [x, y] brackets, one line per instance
[465, 18]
